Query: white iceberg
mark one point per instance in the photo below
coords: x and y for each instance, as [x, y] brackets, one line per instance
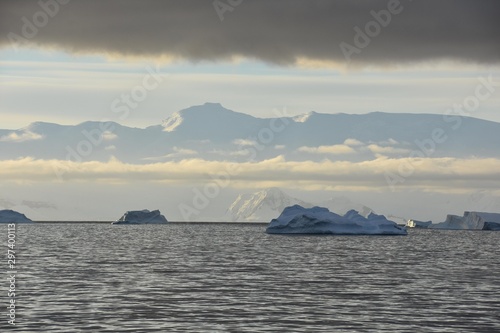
[470, 221]
[142, 217]
[318, 220]
[418, 224]
[11, 216]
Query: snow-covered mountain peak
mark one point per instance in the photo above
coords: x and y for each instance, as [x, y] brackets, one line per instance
[204, 109]
[273, 197]
[172, 122]
[203, 116]
[40, 127]
[304, 117]
[262, 206]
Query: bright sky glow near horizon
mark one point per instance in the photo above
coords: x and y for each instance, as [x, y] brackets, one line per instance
[73, 61]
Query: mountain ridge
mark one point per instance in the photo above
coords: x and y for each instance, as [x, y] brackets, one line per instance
[212, 132]
[214, 105]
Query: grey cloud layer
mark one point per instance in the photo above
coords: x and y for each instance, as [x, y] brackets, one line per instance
[277, 31]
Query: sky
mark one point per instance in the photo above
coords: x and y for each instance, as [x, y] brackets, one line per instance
[73, 59]
[68, 62]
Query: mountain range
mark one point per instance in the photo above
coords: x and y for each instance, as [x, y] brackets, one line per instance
[348, 152]
[212, 132]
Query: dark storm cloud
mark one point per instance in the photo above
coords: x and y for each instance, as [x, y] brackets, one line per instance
[277, 31]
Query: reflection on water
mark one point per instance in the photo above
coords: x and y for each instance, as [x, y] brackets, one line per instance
[236, 278]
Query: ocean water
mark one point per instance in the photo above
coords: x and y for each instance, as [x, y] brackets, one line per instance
[236, 278]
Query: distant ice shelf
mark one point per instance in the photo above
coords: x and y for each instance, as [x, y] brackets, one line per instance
[318, 220]
[470, 221]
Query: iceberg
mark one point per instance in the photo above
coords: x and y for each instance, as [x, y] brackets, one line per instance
[470, 221]
[418, 224]
[11, 216]
[318, 220]
[491, 226]
[141, 217]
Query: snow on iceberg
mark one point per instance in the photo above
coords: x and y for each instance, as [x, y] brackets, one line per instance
[11, 216]
[470, 221]
[142, 217]
[318, 220]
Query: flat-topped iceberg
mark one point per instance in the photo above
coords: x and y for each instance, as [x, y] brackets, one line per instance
[11, 216]
[318, 220]
[142, 217]
[470, 221]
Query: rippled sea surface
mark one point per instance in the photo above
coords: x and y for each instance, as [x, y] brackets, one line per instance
[236, 278]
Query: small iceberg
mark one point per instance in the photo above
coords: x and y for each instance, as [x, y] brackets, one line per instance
[318, 220]
[141, 217]
[11, 216]
[418, 224]
[470, 221]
